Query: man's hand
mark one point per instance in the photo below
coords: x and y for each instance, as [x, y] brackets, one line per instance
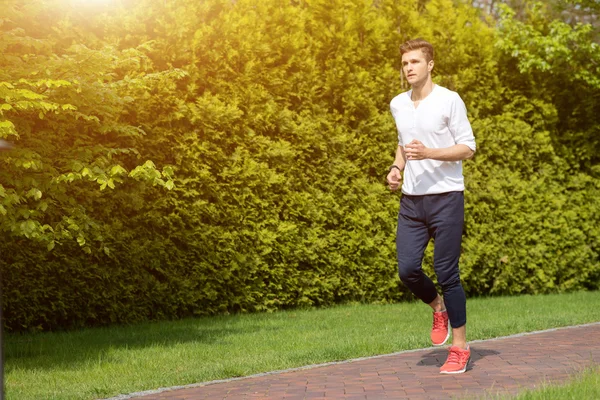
[394, 179]
[416, 150]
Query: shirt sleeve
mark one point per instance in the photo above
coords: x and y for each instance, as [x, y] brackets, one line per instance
[459, 124]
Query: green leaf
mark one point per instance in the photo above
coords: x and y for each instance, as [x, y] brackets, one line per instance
[81, 240]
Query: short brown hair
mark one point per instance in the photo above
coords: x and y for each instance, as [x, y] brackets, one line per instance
[416, 44]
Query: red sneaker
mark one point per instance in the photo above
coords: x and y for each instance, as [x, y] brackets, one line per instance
[440, 331]
[457, 361]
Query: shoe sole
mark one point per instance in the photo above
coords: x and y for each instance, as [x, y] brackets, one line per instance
[445, 340]
[460, 371]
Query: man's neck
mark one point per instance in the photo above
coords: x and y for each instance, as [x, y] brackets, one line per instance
[421, 91]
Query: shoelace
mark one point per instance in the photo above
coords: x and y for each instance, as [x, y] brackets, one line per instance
[438, 322]
[455, 357]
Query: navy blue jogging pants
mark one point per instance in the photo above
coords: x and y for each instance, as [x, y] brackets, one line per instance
[439, 217]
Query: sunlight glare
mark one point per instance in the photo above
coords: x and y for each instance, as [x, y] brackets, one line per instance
[95, 2]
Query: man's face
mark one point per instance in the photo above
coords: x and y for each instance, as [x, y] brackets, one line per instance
[415, 67]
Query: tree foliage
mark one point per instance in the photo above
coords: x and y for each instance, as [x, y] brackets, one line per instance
[65, 104]
[269, 122]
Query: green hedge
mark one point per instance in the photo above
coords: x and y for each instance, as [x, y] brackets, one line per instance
[274, 120]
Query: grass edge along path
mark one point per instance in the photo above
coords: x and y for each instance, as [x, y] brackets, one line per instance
[100, 363]
[584, 385]
[575, 384]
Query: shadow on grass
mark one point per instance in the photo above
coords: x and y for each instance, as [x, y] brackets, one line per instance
[71, 349]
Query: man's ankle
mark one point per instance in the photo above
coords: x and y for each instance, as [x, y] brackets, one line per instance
[439, 308]
[438, 304]
[462, 345]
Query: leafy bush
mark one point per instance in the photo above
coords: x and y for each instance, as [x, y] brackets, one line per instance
[268, 129]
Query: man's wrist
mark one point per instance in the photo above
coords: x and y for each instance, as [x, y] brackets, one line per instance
[394, 166]
[430, 153]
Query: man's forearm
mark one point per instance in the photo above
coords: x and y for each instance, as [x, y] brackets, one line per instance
[458, 152]
[400, 159]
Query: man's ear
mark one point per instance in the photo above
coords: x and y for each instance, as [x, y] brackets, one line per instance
[430, 65]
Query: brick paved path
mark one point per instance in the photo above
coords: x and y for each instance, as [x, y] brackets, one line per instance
[502, 365]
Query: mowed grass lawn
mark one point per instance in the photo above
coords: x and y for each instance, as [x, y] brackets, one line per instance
[584, 386]
[105, 362]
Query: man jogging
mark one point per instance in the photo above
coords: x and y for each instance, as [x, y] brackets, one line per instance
[434, 136]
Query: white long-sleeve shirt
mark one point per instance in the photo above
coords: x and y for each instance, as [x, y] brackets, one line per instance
[439, 121]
